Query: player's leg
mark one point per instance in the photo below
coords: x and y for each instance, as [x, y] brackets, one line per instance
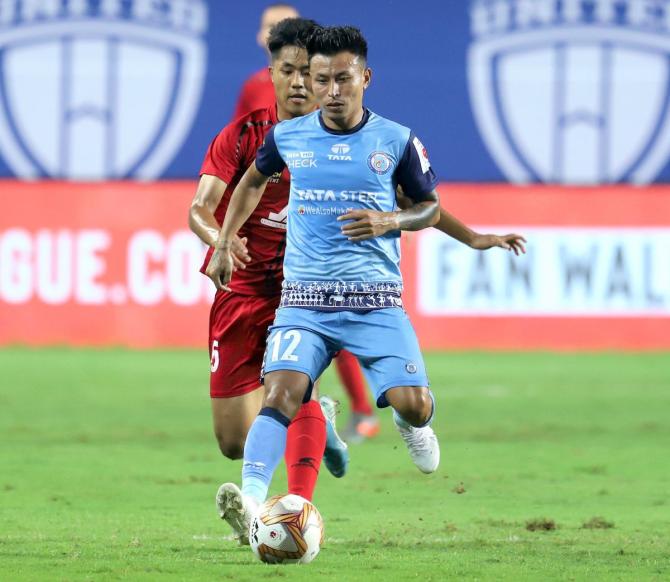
[312, 436]
[232, 418]
[266, 441]
[305, 445]
[236, 343]
[238, 330]
[414, 404]
[413, 409]
[237, 327]
[363, 423]
[386, 344]
[296, 356]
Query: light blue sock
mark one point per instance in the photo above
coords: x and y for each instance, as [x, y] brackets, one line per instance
[263, 450]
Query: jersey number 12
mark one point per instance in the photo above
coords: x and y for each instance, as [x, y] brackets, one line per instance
[293, 337]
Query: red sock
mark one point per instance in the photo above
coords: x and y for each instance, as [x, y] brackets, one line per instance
[350, 373]
[305, 443]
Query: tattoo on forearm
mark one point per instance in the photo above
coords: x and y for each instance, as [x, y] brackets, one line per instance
[418, 216]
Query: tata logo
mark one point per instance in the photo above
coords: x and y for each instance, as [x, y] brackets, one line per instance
[340, 151]
[95, 89]
[572, 91]
[340, 148]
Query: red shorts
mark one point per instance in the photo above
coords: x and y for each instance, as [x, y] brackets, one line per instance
[238, 327]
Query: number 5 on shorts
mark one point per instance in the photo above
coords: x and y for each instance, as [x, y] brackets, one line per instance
[294, 337]
[214, 362]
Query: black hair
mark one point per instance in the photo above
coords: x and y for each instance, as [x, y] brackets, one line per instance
[336, 39]
[290, 32]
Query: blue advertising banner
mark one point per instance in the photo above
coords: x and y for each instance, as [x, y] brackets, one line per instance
[556, 91]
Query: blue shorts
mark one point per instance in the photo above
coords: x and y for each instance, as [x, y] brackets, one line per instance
[383, 340]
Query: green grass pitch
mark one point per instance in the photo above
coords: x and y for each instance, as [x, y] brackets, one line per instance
[108, 470]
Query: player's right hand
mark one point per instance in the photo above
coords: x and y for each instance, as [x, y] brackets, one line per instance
[240, 253]
[220, 268]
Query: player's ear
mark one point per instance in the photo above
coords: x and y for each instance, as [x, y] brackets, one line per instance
[367, 77]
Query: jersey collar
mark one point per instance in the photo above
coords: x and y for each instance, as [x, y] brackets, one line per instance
[359, 125]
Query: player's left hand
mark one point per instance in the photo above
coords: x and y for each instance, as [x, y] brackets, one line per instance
[367, 224]
[510, 242]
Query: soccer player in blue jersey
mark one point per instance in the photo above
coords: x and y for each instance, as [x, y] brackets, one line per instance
[342, 287]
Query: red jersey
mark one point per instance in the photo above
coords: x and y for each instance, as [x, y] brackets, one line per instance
[227, 158]
[258, 92]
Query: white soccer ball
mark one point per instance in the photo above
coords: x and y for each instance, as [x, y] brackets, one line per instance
[287, 529]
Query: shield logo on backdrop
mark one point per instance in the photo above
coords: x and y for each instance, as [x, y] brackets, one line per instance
[94, 90]
[568, 93]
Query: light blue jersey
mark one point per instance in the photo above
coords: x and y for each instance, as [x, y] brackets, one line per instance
[340, 294]
[333, 173]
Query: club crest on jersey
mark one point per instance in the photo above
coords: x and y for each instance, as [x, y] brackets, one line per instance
[572, 91]
[380, 162]
[95, 89]
[340, 152]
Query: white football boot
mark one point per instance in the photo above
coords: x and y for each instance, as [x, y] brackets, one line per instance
[422, 445]
[237, 509]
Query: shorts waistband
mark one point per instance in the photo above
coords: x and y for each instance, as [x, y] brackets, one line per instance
[341, 296]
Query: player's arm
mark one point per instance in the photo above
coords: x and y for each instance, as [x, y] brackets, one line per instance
[417, 179]
[372, 223]
[451, 226]
[243, 202]
[203, 223]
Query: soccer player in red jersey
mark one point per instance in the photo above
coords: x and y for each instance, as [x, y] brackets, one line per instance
[258, 91]
[239, 320]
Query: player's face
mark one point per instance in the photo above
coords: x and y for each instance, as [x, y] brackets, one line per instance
[338, 82]
[290, 74]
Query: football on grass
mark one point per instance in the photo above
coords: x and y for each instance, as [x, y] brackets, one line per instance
[287, 529]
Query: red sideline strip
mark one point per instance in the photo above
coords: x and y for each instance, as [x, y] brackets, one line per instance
[125, 207]
[493, 204]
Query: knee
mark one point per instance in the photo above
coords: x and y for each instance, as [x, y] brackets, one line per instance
[285, 394]
[230, 448]
[282, 400]
[415, 405]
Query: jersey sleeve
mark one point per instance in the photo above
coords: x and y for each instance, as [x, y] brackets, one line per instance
[268, 160]
[414, 172]
[223, 155]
